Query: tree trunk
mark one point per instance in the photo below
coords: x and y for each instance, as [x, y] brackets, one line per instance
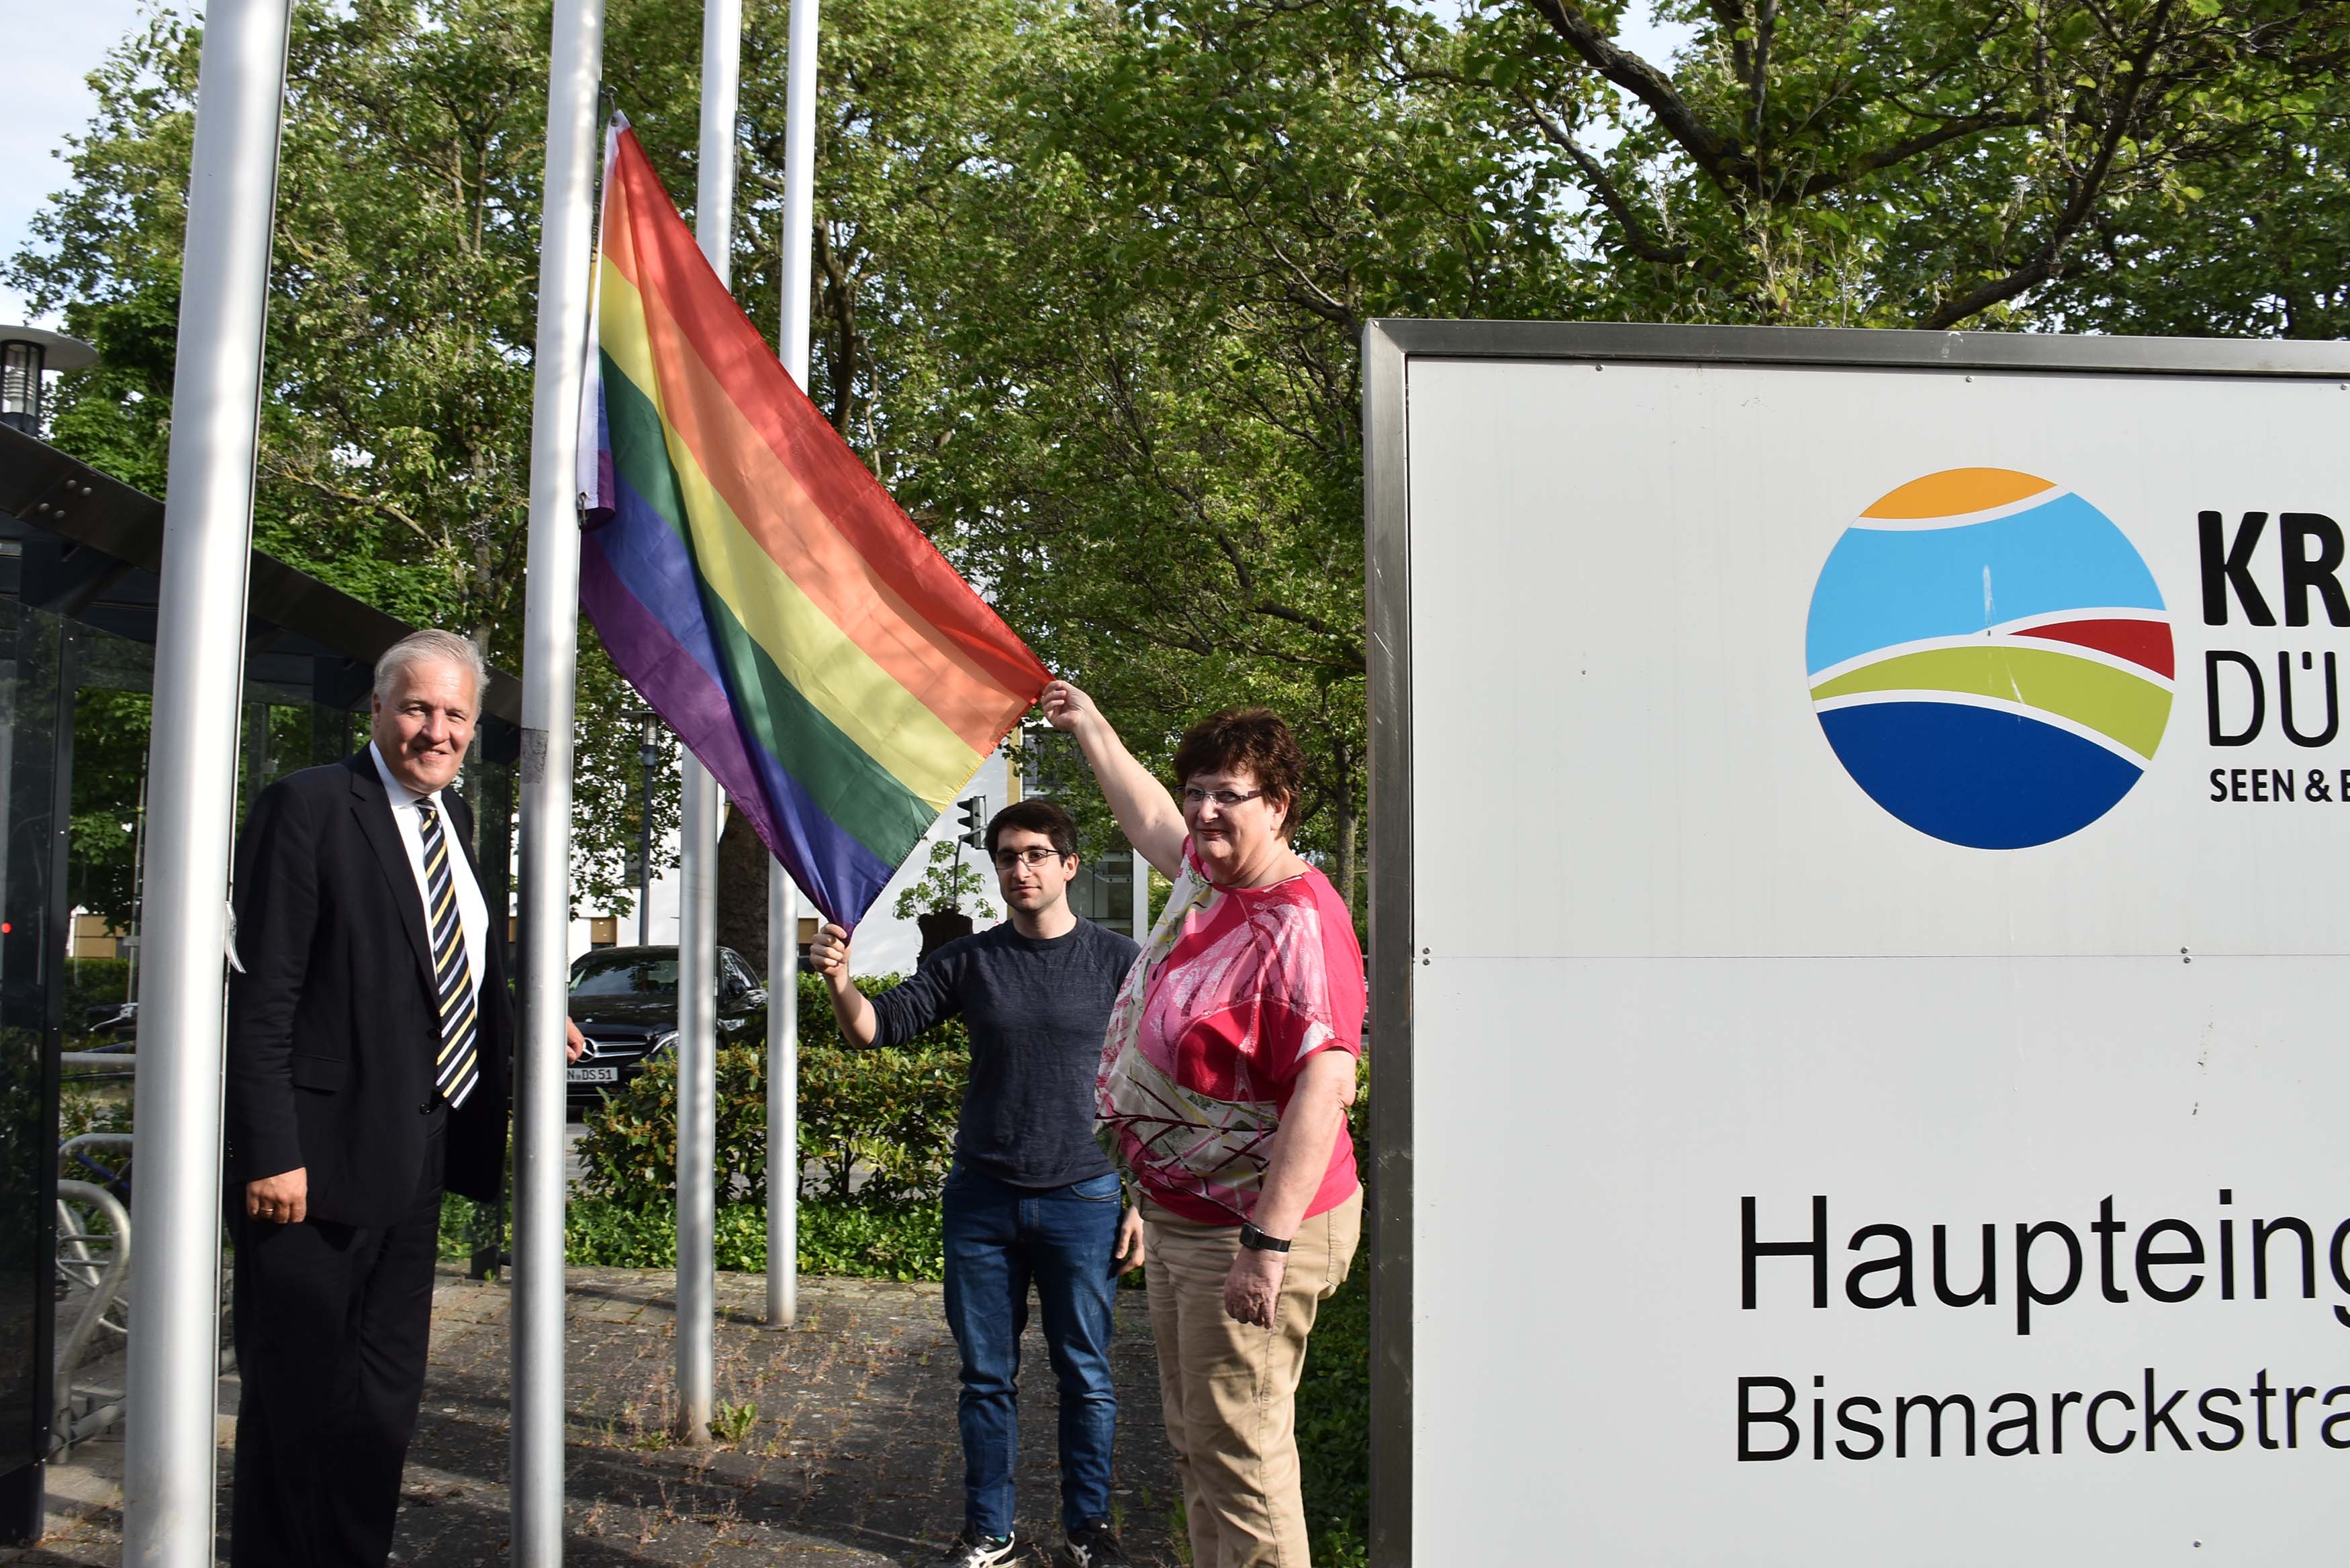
[1349, 835]
[1350, 827]
[743, 892]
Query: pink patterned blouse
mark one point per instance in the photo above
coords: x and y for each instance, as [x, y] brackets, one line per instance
[1236, 989]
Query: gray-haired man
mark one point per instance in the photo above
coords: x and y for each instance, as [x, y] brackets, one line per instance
[369, 1037]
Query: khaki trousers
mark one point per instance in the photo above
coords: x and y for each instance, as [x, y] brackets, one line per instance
[1227, 1388]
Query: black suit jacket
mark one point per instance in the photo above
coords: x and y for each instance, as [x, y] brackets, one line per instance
[332, 1026]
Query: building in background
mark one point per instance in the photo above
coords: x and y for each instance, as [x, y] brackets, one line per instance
[78, 555]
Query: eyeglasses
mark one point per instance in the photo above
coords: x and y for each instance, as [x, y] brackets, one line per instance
[1227, 798]
[1007, 859]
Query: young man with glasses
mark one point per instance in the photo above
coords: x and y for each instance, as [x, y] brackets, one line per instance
[1030, 1197]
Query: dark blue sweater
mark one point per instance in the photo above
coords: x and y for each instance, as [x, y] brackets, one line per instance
[1037, 1010]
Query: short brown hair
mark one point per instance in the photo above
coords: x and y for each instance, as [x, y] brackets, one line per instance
[1255, 740]
[1035, 815]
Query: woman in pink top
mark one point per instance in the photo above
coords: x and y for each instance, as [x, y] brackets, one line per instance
[1224, 1091]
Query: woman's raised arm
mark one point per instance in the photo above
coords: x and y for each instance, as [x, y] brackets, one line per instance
[1153, 821]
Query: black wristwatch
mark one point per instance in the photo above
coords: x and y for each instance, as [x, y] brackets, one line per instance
[1256, 1241]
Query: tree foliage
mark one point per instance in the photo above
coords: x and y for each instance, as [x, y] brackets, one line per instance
[395, 429]
[1144, 438]
[1940, 163]
[947, 884]
[1091, 273]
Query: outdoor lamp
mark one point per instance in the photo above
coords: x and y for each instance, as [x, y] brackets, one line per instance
[24, 353]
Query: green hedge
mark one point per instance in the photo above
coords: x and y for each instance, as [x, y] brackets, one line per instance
[876, 1128]
[94, 982]
[1334, 1396]
[1333, 1424]
[906, 1243]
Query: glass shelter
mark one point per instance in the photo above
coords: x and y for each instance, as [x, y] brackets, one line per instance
[78, 555]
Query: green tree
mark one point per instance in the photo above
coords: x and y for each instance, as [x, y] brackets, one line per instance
[1981, 162]
[1090, 277]
[110, 731]
[395, 429]
[1133, 380]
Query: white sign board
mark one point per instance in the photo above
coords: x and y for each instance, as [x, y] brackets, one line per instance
[1869, 914]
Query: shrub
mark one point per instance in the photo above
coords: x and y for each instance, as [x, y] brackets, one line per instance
[1333, 1422]
[94, 982]
[1334, 1396]
[629, 1156]
[876, 1127]
[80, 1111]
[906, 1243]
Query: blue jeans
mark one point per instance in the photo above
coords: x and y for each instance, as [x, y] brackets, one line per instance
[999, 1240]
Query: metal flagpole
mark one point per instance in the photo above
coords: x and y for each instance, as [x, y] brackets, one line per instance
[199, 678]
[697, 1093]
[783, 1098]
[550, 661]
[783, 898]
[697, 936]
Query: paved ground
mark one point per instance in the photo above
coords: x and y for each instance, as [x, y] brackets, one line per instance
[846, 1456]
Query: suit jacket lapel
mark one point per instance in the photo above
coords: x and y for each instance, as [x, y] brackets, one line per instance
[372, 807]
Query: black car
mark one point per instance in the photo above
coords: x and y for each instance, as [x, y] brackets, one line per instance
[625, 1002]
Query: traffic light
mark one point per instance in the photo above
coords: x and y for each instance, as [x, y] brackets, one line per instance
[973, 821]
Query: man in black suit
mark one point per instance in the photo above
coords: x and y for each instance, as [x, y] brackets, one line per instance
[369, 1037]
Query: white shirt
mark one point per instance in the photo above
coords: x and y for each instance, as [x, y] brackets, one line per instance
[472, 914]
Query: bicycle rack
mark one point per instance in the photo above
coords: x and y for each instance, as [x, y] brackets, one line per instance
[103, 1277]
[112, 1180]
[100, 1264]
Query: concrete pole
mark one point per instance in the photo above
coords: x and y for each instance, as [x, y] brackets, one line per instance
[697, 934]
[549, 675]
[1141, 897]
[199, 680]
[783, 898]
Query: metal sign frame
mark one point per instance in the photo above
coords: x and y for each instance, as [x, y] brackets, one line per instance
[1388, 349]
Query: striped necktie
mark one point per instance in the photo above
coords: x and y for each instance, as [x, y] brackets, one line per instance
[458, 1067]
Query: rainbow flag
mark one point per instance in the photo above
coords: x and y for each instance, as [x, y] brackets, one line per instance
[757, 584]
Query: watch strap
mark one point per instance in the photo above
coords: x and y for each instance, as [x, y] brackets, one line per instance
[1257, 1240]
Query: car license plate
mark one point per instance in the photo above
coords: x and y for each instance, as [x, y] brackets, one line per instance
[593, 1074]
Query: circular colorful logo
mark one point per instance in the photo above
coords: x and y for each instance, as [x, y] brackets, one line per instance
[1989, 658]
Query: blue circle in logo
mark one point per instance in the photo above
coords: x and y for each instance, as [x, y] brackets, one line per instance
[1989, 658]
